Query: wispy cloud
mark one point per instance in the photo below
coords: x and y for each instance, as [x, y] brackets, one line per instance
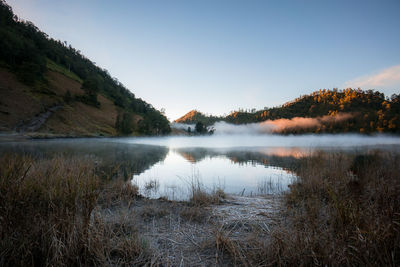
[386, 79]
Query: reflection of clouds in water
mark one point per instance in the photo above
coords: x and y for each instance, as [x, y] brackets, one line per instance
[295, 152]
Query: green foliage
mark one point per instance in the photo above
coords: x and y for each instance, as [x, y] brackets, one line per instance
[124, 123]
[68, 97]
[200, 128]
[153, 124]
[91, 87]
[195, 116]
[51, 65]
[89, 99]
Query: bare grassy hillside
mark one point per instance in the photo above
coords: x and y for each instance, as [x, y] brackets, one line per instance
[21, 105]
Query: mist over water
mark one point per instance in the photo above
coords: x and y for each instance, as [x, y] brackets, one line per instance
[271, 126]
[182, 126]
[242, 161]
[312, 141]
[279, 125]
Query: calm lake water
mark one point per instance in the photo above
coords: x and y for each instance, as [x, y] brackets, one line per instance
[238, 164]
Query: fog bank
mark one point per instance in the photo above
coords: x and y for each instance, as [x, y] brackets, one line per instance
[182, 126]
[279, 125]
[313, 141]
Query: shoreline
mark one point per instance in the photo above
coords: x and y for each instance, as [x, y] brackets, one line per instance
[178, 232]
[339, 208]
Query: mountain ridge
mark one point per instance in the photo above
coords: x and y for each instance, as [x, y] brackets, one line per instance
[370, 112]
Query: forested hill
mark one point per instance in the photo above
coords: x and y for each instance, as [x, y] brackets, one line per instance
[350, 110]
[48, 86]
[194, 116]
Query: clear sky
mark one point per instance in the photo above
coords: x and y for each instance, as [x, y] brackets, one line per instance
[220, 55]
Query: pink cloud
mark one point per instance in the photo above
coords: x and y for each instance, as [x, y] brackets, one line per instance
[387, 78]
[305, 123]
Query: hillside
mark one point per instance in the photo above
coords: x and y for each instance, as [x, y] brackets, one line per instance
[49, 87]
[349, 110]
[195, 116]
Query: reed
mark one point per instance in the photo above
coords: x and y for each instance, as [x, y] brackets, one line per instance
[343, 210]
[48, 215]
[200, 196]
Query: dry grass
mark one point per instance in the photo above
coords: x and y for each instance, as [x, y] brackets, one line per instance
[200, 196]
[118, 191]
[227, 247]
[17, 102]
[343, 210]
[194, 214]
[153, 212]
[60, 212]
[48, 216]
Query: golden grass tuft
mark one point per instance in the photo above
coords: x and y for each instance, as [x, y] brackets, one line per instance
[47, 216]
[343, 210]
[199, 196]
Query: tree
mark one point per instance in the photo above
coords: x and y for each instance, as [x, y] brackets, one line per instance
[91, 87]
[127, 123]
[200, 128]
[67, 97]
[124, 125]
[118, 122]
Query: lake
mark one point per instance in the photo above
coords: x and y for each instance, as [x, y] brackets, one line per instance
[238, 164]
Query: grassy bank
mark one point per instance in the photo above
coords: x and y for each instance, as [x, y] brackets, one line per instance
[49, 215]
[342, 210]
[67, 211]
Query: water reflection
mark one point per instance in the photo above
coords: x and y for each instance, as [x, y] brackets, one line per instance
[287, 158]
[168, 166]
[129, 158]
[214, 170]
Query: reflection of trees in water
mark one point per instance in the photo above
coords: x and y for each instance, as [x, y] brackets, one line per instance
[194, 155]
[112, 158]
[284, 162]
[287, 162]
[188, 156]
[289, 159]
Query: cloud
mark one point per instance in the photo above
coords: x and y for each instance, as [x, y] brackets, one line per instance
[386, 79]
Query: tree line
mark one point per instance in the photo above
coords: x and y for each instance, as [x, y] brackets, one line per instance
[371, 112]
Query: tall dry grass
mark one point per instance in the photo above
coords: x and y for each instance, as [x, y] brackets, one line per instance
[48, 215]
[200, 196]
[343, 210]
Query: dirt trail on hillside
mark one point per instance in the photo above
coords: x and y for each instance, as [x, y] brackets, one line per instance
[36, 122]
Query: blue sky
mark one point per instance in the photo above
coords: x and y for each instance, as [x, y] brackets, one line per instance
[218, 56]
